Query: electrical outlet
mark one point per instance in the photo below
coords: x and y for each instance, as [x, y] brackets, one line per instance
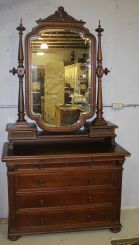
[117, 106]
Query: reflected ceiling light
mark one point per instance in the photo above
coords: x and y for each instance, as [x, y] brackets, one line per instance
[40, 53]
[84, 75]
[44, 46]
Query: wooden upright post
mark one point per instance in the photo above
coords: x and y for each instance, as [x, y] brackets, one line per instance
[99, 128]
[21, 130]
[20, 73]
[99, 120]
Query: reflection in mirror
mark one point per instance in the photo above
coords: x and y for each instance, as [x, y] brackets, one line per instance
[60, 76]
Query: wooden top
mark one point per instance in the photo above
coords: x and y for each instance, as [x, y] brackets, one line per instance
[37, 151]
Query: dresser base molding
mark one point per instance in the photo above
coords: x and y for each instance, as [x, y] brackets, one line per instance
[13, 236]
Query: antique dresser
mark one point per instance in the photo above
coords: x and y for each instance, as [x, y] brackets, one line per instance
[64, 168]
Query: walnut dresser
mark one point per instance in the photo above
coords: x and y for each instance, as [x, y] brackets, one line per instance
[66, 187]
[64, 167]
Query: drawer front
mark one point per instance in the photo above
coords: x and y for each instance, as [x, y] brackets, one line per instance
[65, 198]
[53, 163]
[40, 181]
[43, 165]
[91, 178]
[65, 179]
[74, 217]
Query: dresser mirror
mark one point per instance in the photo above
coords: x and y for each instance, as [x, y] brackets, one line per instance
[60, 73]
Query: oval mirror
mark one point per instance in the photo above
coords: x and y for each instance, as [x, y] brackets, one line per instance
[60, 74]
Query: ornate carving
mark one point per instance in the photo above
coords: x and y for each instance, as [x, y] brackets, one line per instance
[13, 71]
[106, 71]
[20, 71]
[60, 15]
[100, 71]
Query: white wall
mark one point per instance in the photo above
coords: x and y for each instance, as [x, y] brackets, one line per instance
[120, 20]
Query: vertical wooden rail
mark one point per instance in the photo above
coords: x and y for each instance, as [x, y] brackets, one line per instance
[20, 72]
[99, 120]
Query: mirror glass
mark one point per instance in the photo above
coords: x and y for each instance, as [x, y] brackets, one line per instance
[60, 76]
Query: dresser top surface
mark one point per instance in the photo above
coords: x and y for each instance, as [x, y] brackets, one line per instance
[60, 149]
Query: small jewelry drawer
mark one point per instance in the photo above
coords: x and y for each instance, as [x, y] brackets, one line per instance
[54, 163]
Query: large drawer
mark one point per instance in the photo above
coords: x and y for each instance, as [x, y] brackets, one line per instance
[73, 217]
[65, 179]
[65, 198]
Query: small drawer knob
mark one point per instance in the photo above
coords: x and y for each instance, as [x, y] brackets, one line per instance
[90, 199]
[66, 182]
[66, 201]
[42, 221]
[90, 217]
[41, 202]
[41, 182]
[90, 180]
[90, 164]
[41, 167]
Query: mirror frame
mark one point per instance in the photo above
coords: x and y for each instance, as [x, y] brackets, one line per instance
[60, 19]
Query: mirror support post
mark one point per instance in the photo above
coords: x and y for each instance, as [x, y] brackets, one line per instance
[101, 128]
[20, 71]
[21, 129]
[99, 120]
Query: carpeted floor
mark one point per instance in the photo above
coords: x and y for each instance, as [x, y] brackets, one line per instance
[130, 241]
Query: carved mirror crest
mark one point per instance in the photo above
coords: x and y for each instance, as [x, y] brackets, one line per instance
[60, 73]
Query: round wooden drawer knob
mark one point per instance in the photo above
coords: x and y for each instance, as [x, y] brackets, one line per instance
[90, 199]
[66, 201]
[42, 221]
[41, 167]
[41, 202]
[90, 180]
[90, 217]
[41, 182]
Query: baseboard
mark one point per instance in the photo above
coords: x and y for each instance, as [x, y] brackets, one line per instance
[3, 221]
[129, 207]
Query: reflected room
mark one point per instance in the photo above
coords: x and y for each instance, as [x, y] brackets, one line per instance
[60, 76]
